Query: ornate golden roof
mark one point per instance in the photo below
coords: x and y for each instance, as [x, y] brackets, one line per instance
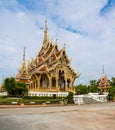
[49, 57]
[104, 82]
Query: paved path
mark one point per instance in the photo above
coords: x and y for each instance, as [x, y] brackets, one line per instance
[78, 117]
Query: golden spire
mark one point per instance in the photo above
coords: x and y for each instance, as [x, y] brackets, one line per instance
[49, 39]
[64, 46]
[56, 41]
[23, 75]
[24, 62]
[45, 31]
[103, 68]
[23, 69]
[24, 55]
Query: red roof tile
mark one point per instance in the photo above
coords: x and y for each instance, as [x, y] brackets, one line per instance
[23, 80]
[43, 68]
[58, 53]
[40, 59]
[50, 49]
[54, 58]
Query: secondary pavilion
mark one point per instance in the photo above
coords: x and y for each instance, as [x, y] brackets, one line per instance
[104, 84]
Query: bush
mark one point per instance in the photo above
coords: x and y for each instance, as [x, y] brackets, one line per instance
[70, 97]
[15, 88]
[8, 101]
[42, 97]
[81, 89]
[111, 94]
[28, 99]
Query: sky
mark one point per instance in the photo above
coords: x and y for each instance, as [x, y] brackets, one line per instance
[87, 28]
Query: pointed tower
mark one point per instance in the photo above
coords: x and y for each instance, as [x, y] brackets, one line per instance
[45, 32]
[46, 42]
[104, 84]
[22, 75]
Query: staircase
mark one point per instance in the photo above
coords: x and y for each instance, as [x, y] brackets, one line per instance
[91, 98]
[88, 100]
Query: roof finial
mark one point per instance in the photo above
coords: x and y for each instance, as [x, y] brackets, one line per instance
[23, 70]
[103, 69]
[45, 22]
[45, 31]
[64, 46]
[56, 40]
[24, 54]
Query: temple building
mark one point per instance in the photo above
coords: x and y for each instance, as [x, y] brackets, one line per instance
[50, 70]
[104, 84]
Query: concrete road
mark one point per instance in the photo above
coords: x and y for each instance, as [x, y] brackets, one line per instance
[77, 117]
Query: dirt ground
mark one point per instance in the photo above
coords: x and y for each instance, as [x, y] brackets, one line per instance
[76, 117]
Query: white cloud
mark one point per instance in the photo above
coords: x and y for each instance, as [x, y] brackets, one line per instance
[22, 17]
[89, 49]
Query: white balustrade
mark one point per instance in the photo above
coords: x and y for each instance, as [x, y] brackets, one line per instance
[78, 99]
[99, 98]
[58, 94]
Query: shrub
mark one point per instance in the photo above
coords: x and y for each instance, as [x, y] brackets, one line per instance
[42, 97]
[70, 97]
[15, 88]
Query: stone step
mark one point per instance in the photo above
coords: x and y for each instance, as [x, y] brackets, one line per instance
[88, 100]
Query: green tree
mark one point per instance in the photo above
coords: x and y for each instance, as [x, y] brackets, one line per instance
[93, 86]
[112, 82]
[70, 97]
[9, 85]
[81, 89]
[111, 95]
[21, 89]
[14, 88]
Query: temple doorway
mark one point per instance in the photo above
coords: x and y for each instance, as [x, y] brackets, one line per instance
[44, 81]
[61, 81]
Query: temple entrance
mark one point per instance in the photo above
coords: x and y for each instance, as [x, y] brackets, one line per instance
[53, 82]
[44, 81]
[61, 81]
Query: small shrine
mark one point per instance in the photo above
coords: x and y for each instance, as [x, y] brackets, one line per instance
[23, 75]
[104, 84]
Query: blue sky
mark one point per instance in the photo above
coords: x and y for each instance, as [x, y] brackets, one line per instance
[87, 29]
[108, 6]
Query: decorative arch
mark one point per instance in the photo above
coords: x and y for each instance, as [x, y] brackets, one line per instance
[34, 82]
[61, 80]
[44, 81]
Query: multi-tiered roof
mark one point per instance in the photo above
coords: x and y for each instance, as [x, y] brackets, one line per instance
[49, 57]
[104, 84]
[23, 75]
